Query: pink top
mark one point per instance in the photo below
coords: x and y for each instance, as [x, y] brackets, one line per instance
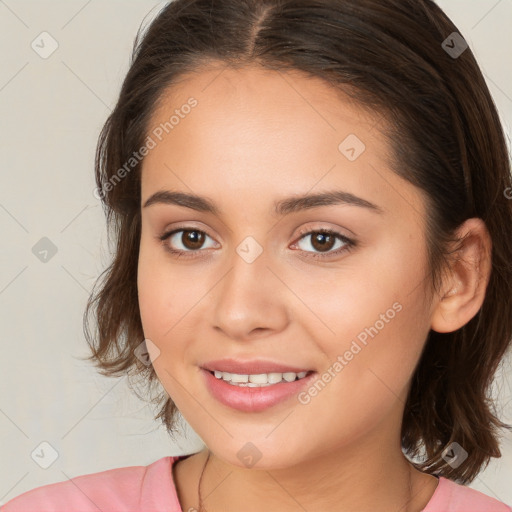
[151, 489]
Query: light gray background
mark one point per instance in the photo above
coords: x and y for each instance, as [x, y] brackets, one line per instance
[51, 112]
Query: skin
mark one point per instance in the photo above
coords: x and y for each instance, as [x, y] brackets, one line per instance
[257, 136]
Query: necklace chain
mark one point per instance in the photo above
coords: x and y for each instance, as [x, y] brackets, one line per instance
[202, 509]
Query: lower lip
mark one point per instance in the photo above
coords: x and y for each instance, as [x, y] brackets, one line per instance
[253, 399]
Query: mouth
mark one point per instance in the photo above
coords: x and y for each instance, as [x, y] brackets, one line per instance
[251, 367]
[259, 380]
[255, 390]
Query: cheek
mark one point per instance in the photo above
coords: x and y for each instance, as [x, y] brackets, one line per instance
[161, 305]
[155, 292]
[368, 289]
[169, 296]
[373, 370]
[377, 316]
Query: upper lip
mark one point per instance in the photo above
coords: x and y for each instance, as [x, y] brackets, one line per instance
[253, 367]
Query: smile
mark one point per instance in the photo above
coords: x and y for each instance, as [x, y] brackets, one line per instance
[255, 392]
[259, 379]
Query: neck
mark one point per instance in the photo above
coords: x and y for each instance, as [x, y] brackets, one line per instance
[332, 482]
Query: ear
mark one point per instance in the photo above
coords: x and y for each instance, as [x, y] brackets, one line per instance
[465, 282]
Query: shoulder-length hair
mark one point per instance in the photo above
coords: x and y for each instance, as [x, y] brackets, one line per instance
[399, 58]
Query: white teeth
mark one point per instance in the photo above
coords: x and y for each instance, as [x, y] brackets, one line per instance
[239, 378]
[258, 380]
[274, 378]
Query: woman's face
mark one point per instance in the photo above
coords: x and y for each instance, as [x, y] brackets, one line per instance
[252, 285]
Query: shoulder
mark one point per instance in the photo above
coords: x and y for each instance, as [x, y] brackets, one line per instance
[126, 489]
[450, 496]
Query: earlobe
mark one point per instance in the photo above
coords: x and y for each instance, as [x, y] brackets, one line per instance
[465, 282]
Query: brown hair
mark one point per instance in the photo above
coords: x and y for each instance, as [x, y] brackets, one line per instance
[446, 139]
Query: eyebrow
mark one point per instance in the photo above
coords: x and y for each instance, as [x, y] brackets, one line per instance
[281, 207]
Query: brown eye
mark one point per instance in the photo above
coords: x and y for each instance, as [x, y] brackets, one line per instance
[192, 239]
[184, 241]
[322, 241]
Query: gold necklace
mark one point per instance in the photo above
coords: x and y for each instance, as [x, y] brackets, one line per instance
[202, 509]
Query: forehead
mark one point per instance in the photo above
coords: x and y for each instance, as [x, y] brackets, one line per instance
[259, 129]
[273, 94]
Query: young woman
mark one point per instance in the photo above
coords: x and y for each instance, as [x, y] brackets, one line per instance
[310, 200]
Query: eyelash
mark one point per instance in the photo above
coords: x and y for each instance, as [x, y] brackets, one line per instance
[349, 243]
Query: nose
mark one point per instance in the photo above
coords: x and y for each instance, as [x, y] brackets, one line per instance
[250, 301]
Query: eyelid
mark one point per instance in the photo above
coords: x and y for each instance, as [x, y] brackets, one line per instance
[348, 242]
[314, 228]
[166, 234]
[185, 226]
